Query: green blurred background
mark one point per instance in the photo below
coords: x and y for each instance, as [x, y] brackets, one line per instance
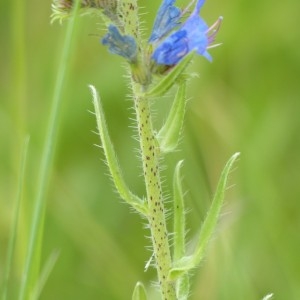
[247, 100]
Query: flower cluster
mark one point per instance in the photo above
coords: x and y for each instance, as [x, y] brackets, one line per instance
[173, 35]
[123, 45]
[172, 40]
[175, 32]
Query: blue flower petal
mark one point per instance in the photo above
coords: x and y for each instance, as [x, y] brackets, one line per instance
[123, 45]
[167, 19]
[199, 4]
[196, 31]
[172, 49]
[191, 36]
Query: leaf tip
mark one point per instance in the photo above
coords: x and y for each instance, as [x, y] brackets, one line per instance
[139, 292]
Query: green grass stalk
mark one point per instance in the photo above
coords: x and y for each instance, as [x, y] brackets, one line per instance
[32, 261]
[13, 235]
[19, 69]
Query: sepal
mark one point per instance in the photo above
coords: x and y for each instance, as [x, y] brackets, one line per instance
[171, 78]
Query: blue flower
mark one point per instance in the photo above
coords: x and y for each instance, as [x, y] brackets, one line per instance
[192, 35]
[123, 45]
[167, 18]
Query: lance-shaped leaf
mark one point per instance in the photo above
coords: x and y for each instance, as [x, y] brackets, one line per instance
[182, 284]
[171, 78]
[111, 158]
[179, 215]
[139, 292]
[169, 134]
[187, 263]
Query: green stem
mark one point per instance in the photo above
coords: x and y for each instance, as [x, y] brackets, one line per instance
[156, 217]
[31, 268]
[13, 235]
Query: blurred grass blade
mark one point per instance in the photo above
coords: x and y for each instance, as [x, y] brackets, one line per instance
[179, 215]
[189, 262]
[169, 135]
[45, 275]
[32, 261]
[139, 292]
[111, 158]
[13, 234]
[171, 78]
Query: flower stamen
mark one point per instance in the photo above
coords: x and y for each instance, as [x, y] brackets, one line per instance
[213, 30]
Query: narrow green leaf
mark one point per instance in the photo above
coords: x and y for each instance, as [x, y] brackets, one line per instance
[169, 135]
[179, 215]
[13, 234]
[171, 78]
[182, 283]
[111, 158]
[187, 263]
[139, 292]
[50, 263]
[32, 261]
[212, 217]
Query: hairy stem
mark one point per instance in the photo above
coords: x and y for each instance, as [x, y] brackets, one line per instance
[156, 217]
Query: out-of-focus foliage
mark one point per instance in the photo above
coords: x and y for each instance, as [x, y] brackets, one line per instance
[247, 100]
